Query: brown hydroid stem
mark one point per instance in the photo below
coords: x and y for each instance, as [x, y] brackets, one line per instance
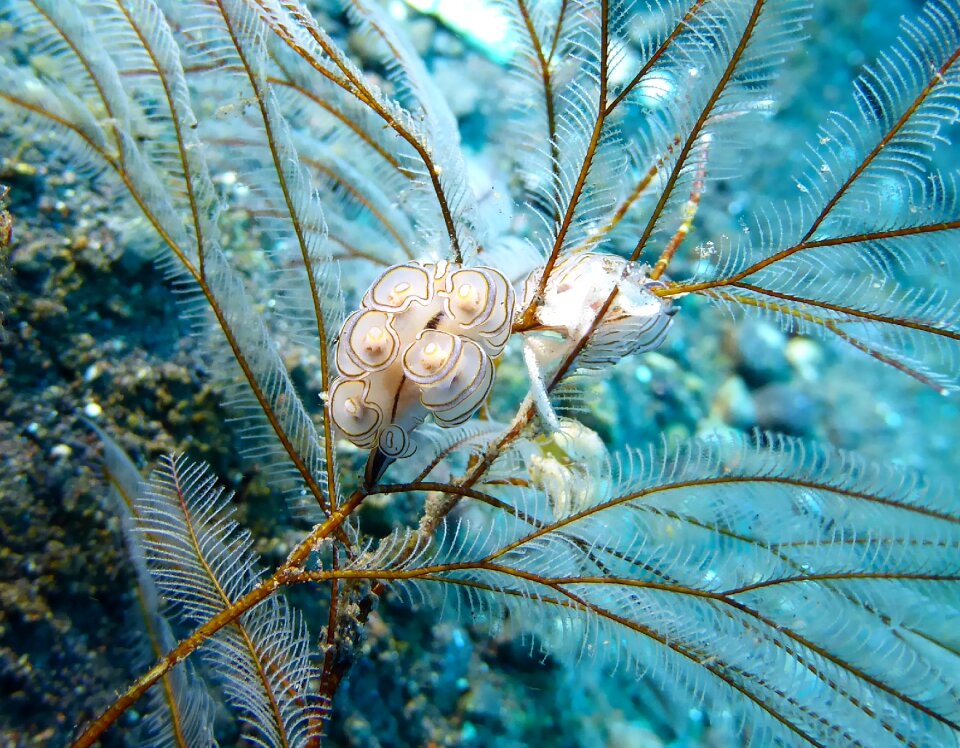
[290, 573]
[225, 617]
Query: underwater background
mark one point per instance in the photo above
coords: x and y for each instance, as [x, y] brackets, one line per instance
[91, 334]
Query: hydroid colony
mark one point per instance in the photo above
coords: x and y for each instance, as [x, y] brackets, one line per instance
[805, 591]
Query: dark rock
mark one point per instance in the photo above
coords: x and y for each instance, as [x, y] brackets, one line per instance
[759, 352]
[785, 409]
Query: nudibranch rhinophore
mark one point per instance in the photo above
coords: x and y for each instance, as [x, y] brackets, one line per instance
[423, 341]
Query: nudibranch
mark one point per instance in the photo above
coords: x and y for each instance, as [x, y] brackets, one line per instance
[573, 296]
[423, 341]
[578, 287]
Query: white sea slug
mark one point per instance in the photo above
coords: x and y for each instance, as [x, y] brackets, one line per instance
[422, 342]
[574, 295]
[578, 287]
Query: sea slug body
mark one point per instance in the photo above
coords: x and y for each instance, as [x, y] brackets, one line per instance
[422, 342]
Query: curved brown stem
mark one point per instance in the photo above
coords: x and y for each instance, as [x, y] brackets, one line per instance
[291, 572]
[258, 594]
[356, 87]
